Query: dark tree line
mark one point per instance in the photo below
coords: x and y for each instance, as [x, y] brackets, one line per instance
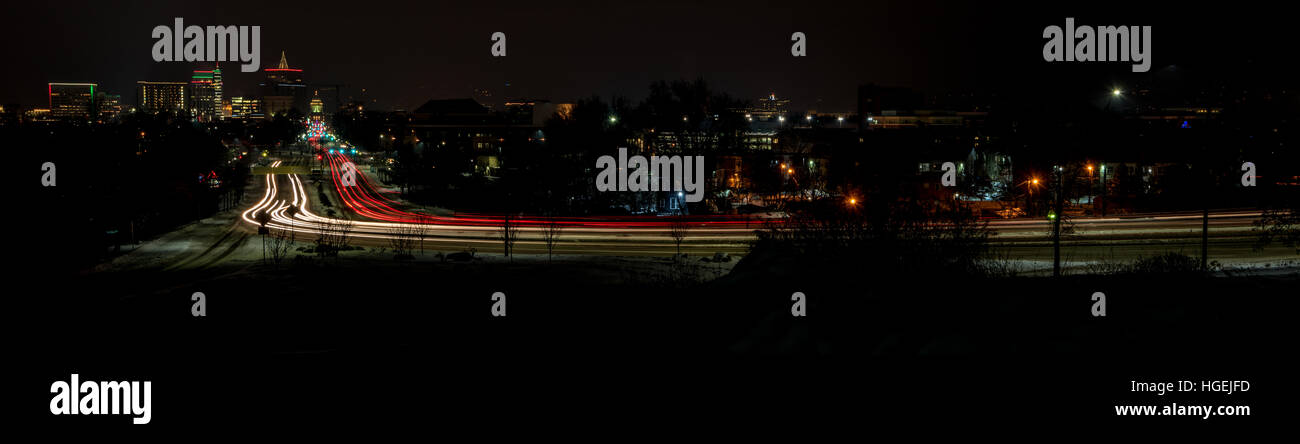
[124, 181]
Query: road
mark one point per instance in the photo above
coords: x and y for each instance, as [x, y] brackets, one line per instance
[616, 236]
[375, 219]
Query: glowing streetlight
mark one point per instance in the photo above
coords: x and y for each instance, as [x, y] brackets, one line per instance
[613, 119]
[1116, 92]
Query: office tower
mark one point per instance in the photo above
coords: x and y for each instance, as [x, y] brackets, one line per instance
[154, 97]
[72, 100]
[108, 106]
[218, 90]
[283, 88]
[245, 108]
[201, 100]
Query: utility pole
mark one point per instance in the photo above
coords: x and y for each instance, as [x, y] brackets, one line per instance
[1205, 217]
[1205, 239]
[1102, 194]
[1057, 214]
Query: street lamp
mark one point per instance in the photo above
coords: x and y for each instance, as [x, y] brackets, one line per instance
[1115, 94]
[1030, 184]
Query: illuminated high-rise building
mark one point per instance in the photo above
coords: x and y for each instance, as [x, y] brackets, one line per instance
[283, 88]
[218, 88]
[282, 74]
[201, 100]
[154, 97]
[72, 100]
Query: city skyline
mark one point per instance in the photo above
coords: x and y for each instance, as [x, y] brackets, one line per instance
[443, 52]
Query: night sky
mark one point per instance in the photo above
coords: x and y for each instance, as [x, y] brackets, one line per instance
[406, 53]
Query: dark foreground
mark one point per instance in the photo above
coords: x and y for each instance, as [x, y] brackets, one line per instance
[389, 348]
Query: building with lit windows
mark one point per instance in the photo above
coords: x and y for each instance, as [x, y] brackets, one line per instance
[37, 115]
[72, 100]
[245, 108]
[283, 89]
[468, 126]
[201, 99]
[768, 109]
[218, 90]
[154, 97]
[108, 106]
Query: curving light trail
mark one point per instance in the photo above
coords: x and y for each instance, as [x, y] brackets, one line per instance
[304, 221]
